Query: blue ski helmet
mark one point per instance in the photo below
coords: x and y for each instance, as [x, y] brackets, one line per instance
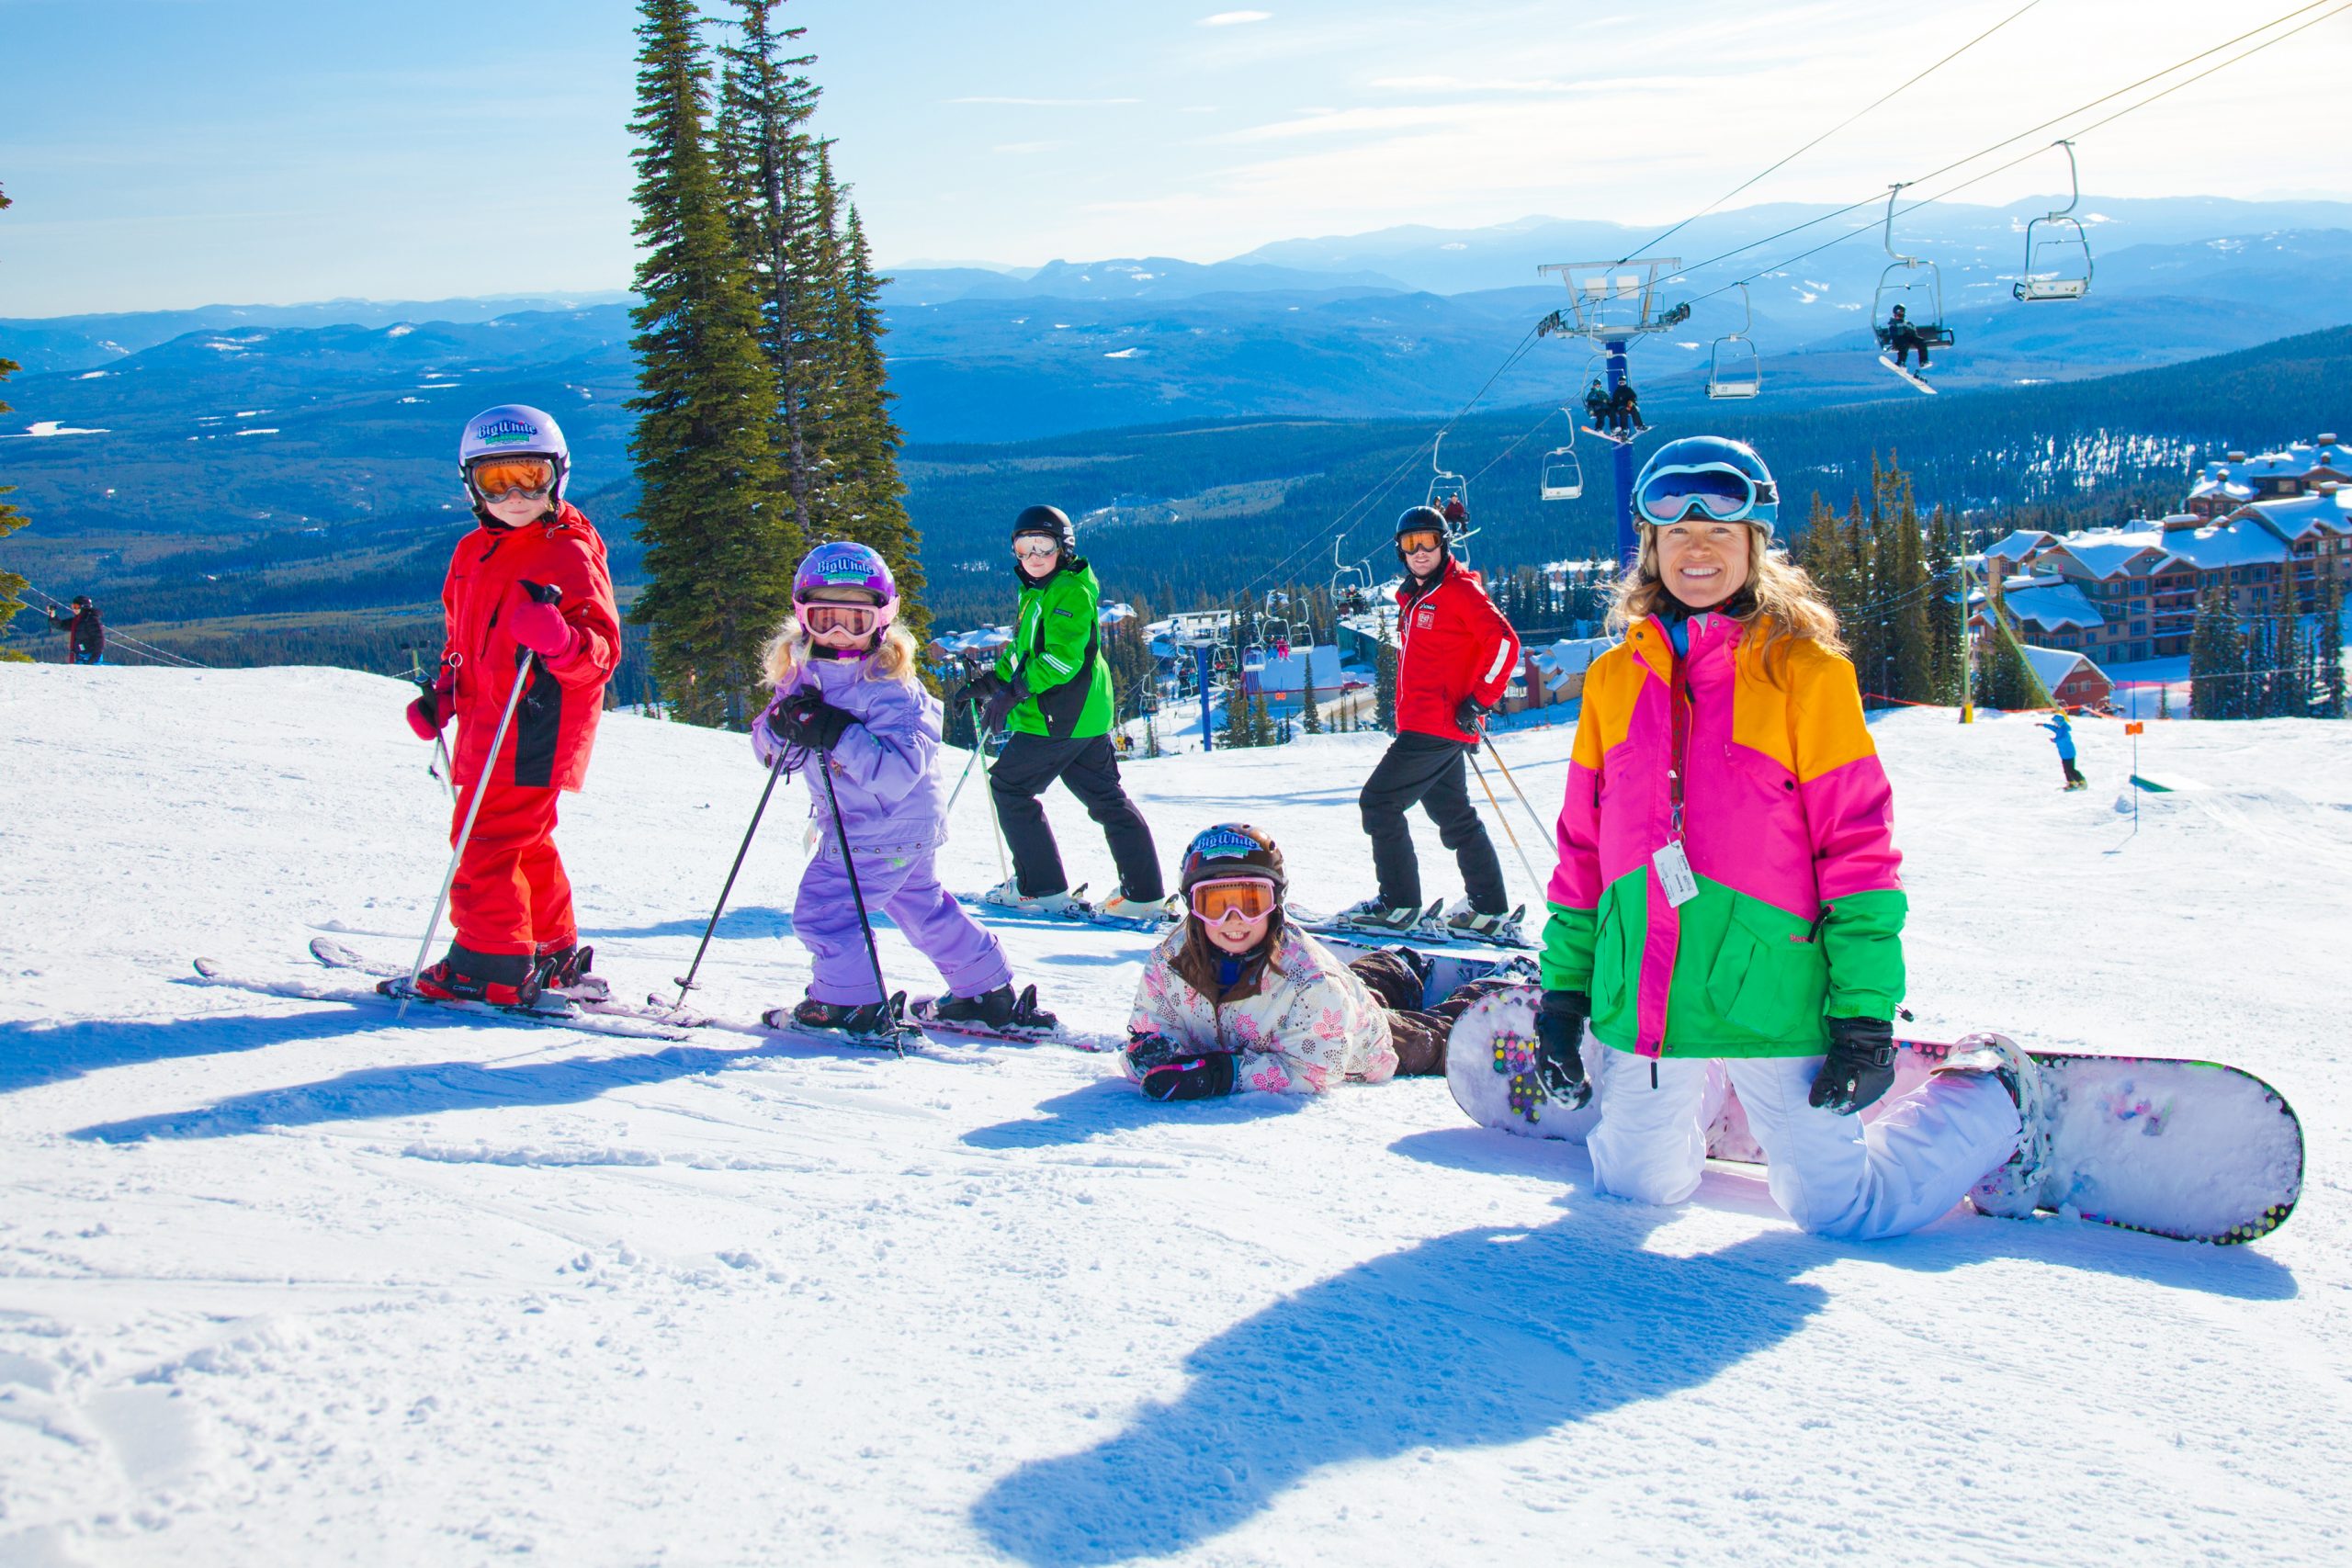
[514, 430]
[1710, 477]
[843, 564]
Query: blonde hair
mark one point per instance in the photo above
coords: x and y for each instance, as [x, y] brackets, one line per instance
[1788, 605]
[892, 656]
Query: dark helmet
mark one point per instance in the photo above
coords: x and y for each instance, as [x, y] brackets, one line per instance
[81, 600]
[1419, 517]
[1047, 521]
[1232, 849]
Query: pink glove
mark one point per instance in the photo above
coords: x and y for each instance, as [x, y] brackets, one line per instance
[540, 627]
[431, 710]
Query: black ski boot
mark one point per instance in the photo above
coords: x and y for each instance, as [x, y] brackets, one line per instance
[566, 970]
[993, 1009]
[502, 979]
[999, 1012]
[871, 1017]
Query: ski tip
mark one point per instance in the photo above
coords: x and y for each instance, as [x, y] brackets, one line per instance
[205, 967]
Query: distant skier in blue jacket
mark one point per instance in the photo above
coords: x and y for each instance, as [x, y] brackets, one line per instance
[2061, 734]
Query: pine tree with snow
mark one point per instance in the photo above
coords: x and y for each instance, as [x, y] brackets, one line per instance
[1310, 718]
[2328, 644]
[2290, 692]
[719, 552]
[11, 519]
[1946, 633]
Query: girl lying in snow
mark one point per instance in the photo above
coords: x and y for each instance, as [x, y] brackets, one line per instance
[1236, 997]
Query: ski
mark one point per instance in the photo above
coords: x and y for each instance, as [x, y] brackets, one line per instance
[592, 995]
[1507, 935]
[1918, 381]
[567, 1017]
[923, 1015]
[1078, 912]
[895, 1039]
[1614, 439]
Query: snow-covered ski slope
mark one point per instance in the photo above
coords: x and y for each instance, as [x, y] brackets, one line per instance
[283, 1282]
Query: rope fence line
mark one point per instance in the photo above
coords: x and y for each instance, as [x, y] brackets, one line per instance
[131, 644]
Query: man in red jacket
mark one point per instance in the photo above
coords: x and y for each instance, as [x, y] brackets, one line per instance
[1455, 656]
[510, 902]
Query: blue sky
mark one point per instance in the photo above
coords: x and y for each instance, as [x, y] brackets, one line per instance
[174, 152]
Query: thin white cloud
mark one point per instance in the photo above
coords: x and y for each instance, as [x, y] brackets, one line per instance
[1051, 103]
[1235, 18]
[1463, 84]
[1020, 147]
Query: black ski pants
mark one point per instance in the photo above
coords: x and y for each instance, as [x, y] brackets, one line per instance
[1090, 771]
[1427, 771]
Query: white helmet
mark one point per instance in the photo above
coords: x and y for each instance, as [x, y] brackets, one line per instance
[515, 430]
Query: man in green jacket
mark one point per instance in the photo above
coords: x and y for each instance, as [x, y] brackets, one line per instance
[1051, 688]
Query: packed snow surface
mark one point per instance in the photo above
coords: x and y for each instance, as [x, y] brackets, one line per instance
[283, 1282]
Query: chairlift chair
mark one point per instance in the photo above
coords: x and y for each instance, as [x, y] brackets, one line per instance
[1563, 473]
[1912, 283]
[2057, 252]
[1445, 486]
[1734, 368]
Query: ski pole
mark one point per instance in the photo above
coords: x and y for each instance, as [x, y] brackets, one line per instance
[955, 794]
[544, 594]
[864, 922]
[444, 769]
[1496, 752]
[994, 822]
[776, 770]
[1536, 880]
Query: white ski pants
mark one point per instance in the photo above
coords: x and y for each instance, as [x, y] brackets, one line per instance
[1831, 1173]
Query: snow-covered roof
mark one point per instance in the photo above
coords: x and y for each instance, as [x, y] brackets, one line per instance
[2052, 665]
[1568, 657]
[2021, 544]
[1285, 674]
[2050, 602]
[978, 641]
[2295, 517]
[2108, 552]
[2240, 541]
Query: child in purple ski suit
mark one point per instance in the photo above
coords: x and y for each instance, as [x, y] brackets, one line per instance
[847, 702]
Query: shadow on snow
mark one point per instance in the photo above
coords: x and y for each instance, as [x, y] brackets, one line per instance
[1488, 1336]
[1111, 1105]
[34, 1053]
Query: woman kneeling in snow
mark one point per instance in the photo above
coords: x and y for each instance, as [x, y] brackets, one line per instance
[1236, 997]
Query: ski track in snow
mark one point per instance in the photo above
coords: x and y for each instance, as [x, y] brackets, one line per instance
[284, 1282]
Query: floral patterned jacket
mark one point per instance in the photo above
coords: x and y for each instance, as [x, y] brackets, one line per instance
[1305, 1024]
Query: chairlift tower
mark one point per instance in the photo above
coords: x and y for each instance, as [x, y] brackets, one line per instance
[1611, 303]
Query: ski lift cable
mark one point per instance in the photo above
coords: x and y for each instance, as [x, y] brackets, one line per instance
[1349, 519]
[1656, 240]
[161, 656]
[1873, 200]
[1516, 445]
[2006, 140]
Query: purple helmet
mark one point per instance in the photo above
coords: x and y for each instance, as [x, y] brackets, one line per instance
[842, 564]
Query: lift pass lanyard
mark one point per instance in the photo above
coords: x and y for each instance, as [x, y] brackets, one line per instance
[1672, 865]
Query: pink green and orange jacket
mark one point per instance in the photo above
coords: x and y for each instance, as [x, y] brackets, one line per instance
[1787, 822]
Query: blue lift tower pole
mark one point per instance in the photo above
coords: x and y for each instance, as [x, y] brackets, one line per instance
[1204, 666]
[1623, 461]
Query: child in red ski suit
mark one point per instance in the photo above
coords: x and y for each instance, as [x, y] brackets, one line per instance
[510, 902]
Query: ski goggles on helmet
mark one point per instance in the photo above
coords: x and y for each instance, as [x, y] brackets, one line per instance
[1420, 539]
[1715, 493]
[501, 478]
[1034, 546]
[1251, 897]
[856, 619]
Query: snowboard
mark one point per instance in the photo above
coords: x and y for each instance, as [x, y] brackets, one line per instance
[2196, 1151]
[1918, 381]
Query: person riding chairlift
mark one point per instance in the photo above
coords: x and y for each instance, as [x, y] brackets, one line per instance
[1903, 337]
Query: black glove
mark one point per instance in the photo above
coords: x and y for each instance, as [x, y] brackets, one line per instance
[1559, 1047]
[1001, 702]
[809, 720]
[979, 689]
[1860, 1066]
[1168, 1071]
[1470, 714]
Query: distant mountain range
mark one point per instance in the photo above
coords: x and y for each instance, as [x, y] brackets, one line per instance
[257, 417]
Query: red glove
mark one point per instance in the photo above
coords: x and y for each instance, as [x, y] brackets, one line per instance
[432, 709]
[540, 627]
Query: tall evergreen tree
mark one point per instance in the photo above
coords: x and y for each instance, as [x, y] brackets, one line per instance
[1906, 620]
[2291, 688]
[720, 553]
[2005, 678]
[865, 440]
[1311, 718]
[1947, 629]
[2329, 642]
[2216, 659]
[766, 103]
[12, 586]
[1384, 686]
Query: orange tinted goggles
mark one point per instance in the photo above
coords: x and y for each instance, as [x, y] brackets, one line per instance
[501, 478]
[856, 619]
[1420, 539]
[1250, 897]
